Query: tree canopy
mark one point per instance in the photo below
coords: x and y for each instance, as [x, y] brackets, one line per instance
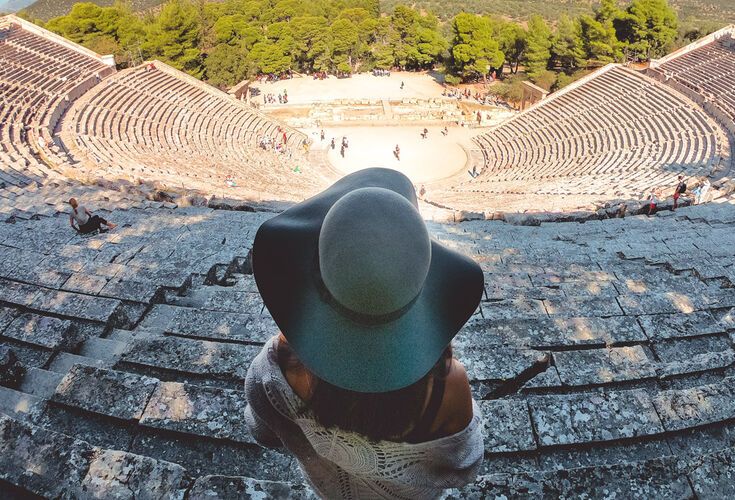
[225, 42]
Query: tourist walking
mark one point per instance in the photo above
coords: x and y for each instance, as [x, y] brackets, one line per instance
[425, 133]
[322, 135]
[680, 189]
[361, 385]
[652, 202]
[84, 222]
[706, 185]
[342, 150]
[332, 143]
[397, 153]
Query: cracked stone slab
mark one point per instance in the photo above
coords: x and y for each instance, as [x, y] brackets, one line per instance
[666, 326]
[684, 408]
[205, 411]
[19, 294]
[76, 305]
[583, 306]
[211, 325]
[697, 363]
[602, 366]
[545, 333]
[130, 290]
[40, 461]
[224, 487]
[657, 478]
[545, 379]
[497, 363]
[589, 288]
[7, 316]
[234, 301]
[118, 475]
[593, 417]
[192, 356]
[513, 309]
[559, 277]
[43, 331]
[660, 303]
[85, 283]
[712, 475]
[107, 392]
[499, 486]
[204, 456]
[507, 426]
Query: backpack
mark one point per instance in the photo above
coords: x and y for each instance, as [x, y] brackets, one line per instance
[682, 187]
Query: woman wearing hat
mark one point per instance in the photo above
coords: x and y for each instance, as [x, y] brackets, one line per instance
[361, 385]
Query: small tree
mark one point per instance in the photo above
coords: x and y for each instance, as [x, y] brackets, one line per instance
[473, 50]
[538, 52]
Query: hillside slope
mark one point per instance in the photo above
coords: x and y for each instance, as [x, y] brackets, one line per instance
[13, 5]
[47, 9]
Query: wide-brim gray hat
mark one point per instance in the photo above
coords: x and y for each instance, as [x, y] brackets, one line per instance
[366, 299]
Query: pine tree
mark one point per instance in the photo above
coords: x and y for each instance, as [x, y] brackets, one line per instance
[539, 43]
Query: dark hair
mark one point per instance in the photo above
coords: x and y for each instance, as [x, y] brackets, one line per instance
[379, 416]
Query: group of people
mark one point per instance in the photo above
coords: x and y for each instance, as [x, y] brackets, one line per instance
[381, 72]
[273, 77]
[282, 98]
[700, 194]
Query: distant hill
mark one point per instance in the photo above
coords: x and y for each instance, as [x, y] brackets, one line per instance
[47, 9]
[720, 11]
[14, 5]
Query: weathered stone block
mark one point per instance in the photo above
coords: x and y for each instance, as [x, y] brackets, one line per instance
[108, 392]
[593, 417]
[11, 370]
[76, 305]
[41, 461]
[43, 331]
[205, 411]
[602, 366]
[582, 307]
[192, 356]
[209, 324]
[684, 408]
[712, 475]
[507, 426]
[224, 487]
[124, 476]
[679, 325]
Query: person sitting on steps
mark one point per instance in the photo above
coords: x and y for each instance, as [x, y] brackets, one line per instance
[361, 384]
[85, 221]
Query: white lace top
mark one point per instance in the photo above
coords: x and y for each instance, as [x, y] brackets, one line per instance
[341, 464]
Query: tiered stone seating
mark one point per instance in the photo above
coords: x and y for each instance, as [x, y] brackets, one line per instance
[707, 70]
[154, 123]
[601, 356]
[615, 135]
[39, 77]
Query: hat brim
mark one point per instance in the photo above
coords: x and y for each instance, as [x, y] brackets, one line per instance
[350, 355]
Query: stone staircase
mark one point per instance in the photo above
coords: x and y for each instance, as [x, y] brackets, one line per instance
[601, 356]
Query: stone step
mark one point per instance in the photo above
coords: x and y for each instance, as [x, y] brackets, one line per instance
[17, 404]
[106, 349]
[39, 382]
[64, 361]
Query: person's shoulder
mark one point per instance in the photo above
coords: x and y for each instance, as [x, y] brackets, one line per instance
[456, 410]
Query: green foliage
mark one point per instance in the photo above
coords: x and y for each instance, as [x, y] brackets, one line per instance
[538, 52]
[647, 27]
[474, 50]
[227, 41]
[513, 41]
[226, 65]
[599, 43]
[566, 48]
[174, 37]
